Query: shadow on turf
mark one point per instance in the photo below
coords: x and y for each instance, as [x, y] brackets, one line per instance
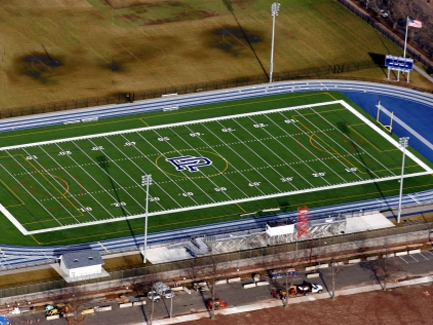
[342, 126]
[247, 38]
[103, 163]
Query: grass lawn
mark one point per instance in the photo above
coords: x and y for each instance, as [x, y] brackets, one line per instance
[53, 52]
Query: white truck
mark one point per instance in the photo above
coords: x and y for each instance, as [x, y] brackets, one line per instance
[163, 290]
[310, 288]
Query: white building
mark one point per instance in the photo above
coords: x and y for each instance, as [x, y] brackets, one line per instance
[82, 264]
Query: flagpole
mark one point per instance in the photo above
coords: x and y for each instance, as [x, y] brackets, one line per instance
[405, 37]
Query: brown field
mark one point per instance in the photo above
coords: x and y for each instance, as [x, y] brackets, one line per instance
[56, 50]
[402, 306]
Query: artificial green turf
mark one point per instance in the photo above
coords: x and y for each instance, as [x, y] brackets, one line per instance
[34, 220]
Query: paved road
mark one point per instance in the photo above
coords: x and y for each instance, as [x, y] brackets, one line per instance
[350, 279]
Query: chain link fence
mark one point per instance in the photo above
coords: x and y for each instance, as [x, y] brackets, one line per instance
[121, 98]
[379, 239]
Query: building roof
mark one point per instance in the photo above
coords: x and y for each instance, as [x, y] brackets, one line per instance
[280, 223]
[82, 258]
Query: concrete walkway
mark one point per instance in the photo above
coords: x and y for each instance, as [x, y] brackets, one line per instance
[270, 303]
[423, 73]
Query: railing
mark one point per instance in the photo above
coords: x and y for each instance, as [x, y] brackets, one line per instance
[258, 254]
[308, 73]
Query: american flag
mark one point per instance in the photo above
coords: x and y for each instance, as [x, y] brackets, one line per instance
[414, 23]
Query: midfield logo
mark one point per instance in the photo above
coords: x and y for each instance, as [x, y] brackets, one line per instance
[190, 163]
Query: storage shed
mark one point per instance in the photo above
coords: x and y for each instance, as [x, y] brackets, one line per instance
[83, 263]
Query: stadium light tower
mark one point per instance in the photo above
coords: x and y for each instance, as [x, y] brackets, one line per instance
[403, 143]
[274, 12]
[145, 181]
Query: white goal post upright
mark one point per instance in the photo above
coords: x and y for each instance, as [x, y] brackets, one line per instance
[390, 114]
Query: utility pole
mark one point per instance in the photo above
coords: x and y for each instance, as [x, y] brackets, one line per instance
[274, 12]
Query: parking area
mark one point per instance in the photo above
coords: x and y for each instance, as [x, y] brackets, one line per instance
[417, 258]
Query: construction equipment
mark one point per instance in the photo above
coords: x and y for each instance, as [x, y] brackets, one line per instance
[51, 310]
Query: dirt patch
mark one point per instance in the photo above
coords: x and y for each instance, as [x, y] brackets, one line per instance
[402, 306]
[232, 39]
[46, 3]
[38, 66]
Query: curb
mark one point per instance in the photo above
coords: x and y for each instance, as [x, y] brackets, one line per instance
[270, 303]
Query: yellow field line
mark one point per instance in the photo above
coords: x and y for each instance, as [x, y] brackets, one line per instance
[13, 193]
[242, 209]
[54, 187]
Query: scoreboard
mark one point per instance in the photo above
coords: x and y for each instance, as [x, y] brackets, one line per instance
[398, 63]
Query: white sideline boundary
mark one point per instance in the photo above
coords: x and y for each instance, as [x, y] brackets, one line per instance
[428, 170]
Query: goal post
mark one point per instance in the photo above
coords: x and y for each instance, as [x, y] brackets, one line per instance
[384, 117]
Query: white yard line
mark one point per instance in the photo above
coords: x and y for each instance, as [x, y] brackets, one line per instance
[75, 180]
[203, 122]
[387, 137]
[305, 162]
[114, 179]
[172, 181]
[191, 179]
[94, 180]
[56, 180]
[164, 126]
[360, 147]
[242, 158]
[143, 172]
[259, 156]
[42, 186]
[204, 176]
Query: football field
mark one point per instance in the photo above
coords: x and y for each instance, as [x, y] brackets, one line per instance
[205, 163]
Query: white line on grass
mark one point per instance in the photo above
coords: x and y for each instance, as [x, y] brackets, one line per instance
[360, 147]
[387, 137]
[335, 157]
[165, 174]
[164, 126]
[241, 158]
[30, 194]
[209, 179]
[191, 180]
[259, 156]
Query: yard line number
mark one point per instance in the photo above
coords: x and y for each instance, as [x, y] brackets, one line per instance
[85, 209]
[118, 204]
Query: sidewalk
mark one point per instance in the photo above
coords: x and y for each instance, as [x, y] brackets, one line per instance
[277, 303]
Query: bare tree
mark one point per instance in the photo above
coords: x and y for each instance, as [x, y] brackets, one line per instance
[335, 270]
[385, 270]
[147, 286]
[211, 270]
[77, 302]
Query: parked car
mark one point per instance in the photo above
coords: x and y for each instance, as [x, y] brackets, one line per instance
[216, 303]
[153, 295]
[163, 290]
